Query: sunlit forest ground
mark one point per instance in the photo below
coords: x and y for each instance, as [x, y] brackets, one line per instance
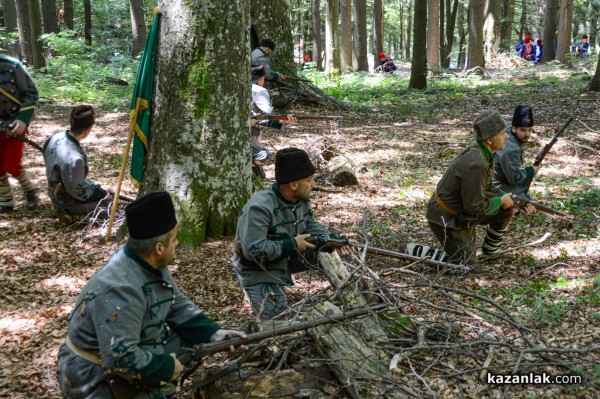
[399, 143]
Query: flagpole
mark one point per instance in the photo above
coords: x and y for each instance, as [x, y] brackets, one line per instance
[113, 211]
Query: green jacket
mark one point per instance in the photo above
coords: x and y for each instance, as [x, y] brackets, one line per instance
[464, 185]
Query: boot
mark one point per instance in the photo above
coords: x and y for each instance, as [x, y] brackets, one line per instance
[6, 208]
[6, 195]
[31, 199]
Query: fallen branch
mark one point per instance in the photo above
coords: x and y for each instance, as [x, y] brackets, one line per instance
[511, 249]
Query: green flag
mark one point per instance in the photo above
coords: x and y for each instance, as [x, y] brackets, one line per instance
[140, 104]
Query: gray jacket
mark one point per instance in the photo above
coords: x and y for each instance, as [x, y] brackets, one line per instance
[509, 173]
[265, 234]
[259, 57]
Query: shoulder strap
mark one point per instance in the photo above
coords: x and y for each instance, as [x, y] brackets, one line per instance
[10, 97]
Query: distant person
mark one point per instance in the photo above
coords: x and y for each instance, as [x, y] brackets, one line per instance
[386, 63]
[527, 50]
[582, 48]
[73, 195]
[539, 46]
[261, 56]
[18, 97]
[510, 175]
[306, 59]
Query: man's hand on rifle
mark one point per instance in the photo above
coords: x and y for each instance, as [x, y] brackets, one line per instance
[290, 119]
[17, 128]
[281, 77]
[527, 209]
[506, 201]
[302, 244]
[347, 250]
[222, 335]
[178, 368]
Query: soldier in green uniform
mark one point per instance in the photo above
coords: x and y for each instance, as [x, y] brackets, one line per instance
[18, 96]
[465, 196]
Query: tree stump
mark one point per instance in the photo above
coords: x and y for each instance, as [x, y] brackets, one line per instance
[341, 172]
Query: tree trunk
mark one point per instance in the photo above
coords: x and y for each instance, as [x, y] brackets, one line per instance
[138, 26]
[35, 21]
[550, 30]
[475, 52]
[345, 35]
[332, 37]
[497, 12]
[316, 33]
[563, 46]
[418, 70]
[450, 25]
[23, 22]
[68, 14]
[488, 28]
[522, 21]
[377, 30]
[10, 24]
[462, 34]
[508, 12]
[49, 16]
[595, 82]
[402, 34]
[433, 36]
[360, 61]
[409, 29]
[200, 145]
[87, 16]
[271, 20]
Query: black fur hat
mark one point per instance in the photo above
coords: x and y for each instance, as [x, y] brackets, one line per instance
[523, 116]
[292, 164]
[487, 124]
[150, 216]
[267, 43]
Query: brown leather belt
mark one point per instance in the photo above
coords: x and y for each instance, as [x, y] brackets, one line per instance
[444, 205]
[89, 356]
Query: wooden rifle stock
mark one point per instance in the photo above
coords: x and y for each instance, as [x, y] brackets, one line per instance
[520, 201]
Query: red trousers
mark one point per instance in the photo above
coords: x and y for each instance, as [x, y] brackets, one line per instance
[11, 154]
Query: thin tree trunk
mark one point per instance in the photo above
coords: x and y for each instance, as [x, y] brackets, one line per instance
[497, 12]
[200, 145]
[332, 33]
[409, 31]
[68, 14]
[418, 70]
[402, 34]
[360, 61]
[35, 21]
[462, 35]
[49, 16]
[377, 30]
[10, 23]
[24, 24]
[345, 35]
[450, 27]
[138, 26]
[488, 28]
[432, 35]
[550, 30]
[595, 82]
[316, 33]
[87, 16]
[442, 29]
[475, 53]
[564, 30]
[522, 21]
[508, 12]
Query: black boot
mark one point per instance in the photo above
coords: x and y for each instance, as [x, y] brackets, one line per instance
[6, 208]
[31, 198]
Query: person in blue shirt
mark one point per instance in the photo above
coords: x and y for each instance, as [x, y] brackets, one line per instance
[527, 51]
[583, 48]
[539, 48]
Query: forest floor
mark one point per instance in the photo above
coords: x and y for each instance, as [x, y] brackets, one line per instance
[550, 291]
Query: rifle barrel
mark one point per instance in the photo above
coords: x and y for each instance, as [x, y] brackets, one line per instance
[209, 349]
[542, 208]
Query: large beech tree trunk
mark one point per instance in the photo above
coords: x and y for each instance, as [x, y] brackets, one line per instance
[418, 70]
[549, 30]
[563, 46]
[359, 35]
[35, 22]
[25, 45]
[200, 145]
[345, 35]
[49, 16]
[475, 53]
[138, 26]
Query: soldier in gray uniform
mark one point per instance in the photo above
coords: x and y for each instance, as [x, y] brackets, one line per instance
[131, 323]
[73, 195]
[509, 173]
[272, 231]
[260, 56]
[18, 96]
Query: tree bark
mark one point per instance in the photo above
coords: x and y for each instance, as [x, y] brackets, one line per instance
[508, 12]
[316, 34]
[522, 21]
[200, 146]
[488, 28]
[271, 20]
[10, 24]
[550, 30]
[409, 29]
[49, 16]
[87, 17]
[377, 30]
[433, 36]
[332, 37]
[450, 27]
[35, 21]
[595, 82]
[345, 35]
[475, 52]
[68, 14]
[24, 24]
[462, 34]
[138, 26]
[360, 62]
[418, 70]
[563, 46]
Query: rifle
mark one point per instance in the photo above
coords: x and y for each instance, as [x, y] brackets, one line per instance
[121, 196]
[322, 240]
[5, 131]
[296, 78]
[520, 201]
[200, 351]
[263, 117]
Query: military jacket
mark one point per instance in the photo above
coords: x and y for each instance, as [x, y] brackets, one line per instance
[463, 187]
[67, 169]
[265, 235]
[22, 93]
[126, 313]
[509, 174]
[259, 57]
[261, 104]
